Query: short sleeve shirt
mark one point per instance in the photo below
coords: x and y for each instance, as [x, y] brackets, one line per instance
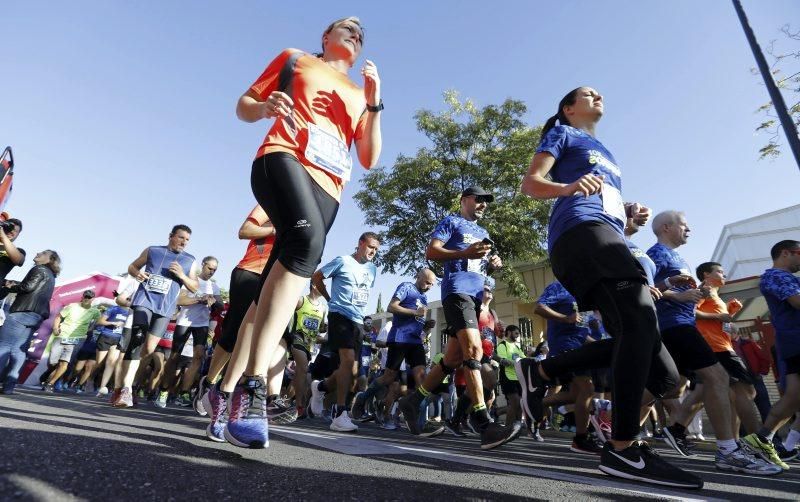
[712, 331]
[669, 263]
[778, 286]
[198, 314]
[645, 261]
[258, 250]
[461, 276]
[507, 349]
[577, 154]
[75, 321]
[6, 264]
[562, 337]
[408, 328]
[115, 313]
[351, 283]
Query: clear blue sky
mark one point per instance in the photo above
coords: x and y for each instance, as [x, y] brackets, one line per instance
[122, 117]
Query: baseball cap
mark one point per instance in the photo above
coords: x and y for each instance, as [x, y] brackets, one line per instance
[478, 192]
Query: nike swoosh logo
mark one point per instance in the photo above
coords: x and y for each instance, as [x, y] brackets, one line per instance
[636, 465]
[531, 388]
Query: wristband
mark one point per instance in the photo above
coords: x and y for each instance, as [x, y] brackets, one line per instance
[375, 109]
[666, 283]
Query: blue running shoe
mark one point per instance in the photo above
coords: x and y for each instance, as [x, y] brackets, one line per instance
[247, 425]
[215, 402]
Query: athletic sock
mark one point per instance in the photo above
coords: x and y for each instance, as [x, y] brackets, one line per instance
[322, 387]
[481, 416]
[791, 440]
[462, 405]
[680, 429]
[726, 445]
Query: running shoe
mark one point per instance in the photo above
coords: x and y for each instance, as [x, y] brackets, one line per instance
[48, 388]
[125, 399]
[410, 410]
[537, 436]
[678, 441]
[184, 400]
[533, 387]
[161, 400]
[214, 401]
[247, 425]
[197, 402]
[431, 428]
[454, 428]
[743, 460]
[58, 387]
[586, 443]
[784, 454]
[764, 450]
[494, 435]
[342, 423]
[642, 463]
[79, 389]
[358, 405]
[602, 428]
[114, 396]
[390, 424]
[279, 411]
[301, 413]
[366, 417]
[317, 402]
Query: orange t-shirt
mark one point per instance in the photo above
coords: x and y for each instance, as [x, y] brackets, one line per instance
[322, 96]
[258, 250]
[712, 331]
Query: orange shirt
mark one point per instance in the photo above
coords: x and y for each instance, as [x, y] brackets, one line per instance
[258, 250]
[322, 96]
[712, 331]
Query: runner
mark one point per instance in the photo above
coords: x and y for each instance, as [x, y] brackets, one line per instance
[307, 324]
[591, 259]
[676, 319]
[467, 255]
[352, 277]
[508, 351]
[298, 177]
[166, 268]
[111, 324]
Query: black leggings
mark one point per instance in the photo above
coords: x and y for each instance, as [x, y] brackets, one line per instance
[243, 291]
[637, 358]
[300, 209]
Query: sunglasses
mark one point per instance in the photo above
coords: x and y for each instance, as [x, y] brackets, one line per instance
[482, 199]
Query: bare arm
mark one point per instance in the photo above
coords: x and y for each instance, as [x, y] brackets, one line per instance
[395, 308]
[368, 147]
[135, 268]
[535, 183]
[437, 252]
[13, 253]
[250, 108]
[319, 281]
[548, 313]
[184, 300]
[251, 231]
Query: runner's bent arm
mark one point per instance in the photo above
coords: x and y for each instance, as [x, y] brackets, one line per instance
[548, 313]
[437, 252]
[395, 308]
[319, 281]
[135, 268]
[250, 231]
[536, 185]
[794, 301]
[368, 147]
[250, 108]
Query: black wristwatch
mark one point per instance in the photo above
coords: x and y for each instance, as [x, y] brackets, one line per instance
[375, 108]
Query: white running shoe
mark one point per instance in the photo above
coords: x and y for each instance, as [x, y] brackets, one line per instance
[342, 423]
[317, 401]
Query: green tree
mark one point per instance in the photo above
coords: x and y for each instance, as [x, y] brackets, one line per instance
[379, 308]
[785, 70]
[490, 147]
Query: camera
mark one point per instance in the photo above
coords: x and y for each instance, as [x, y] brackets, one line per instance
[7, 226]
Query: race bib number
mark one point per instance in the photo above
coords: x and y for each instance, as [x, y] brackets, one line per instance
[365, 360]
[158, 284]
[311, 324]
[360, 298]
[328, 152]
[612, 203]
[478, 266]
[117, 330]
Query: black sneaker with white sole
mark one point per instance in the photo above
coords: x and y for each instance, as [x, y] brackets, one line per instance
[410, 410]
[494, 435]
[454, 428]
[677, 440]
[639, 462]
[533, 387]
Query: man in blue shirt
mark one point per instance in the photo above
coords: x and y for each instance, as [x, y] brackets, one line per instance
[352, 278]
[690, 351]
[468, 256]
[408, 307]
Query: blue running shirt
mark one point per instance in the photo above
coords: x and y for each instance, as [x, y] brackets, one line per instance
[562, 337]
[645, 261]
[669, 263]
[350, 285]
[461, 276]
[408, 328]
[778, 286]
[115, 313]
[578, 153]
[159, 293]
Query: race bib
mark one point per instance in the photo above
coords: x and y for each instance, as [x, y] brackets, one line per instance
[328, 152]
[365, 360]
[158, 284]
[476, 266]
[612, 203]
[117, 330]
[360, 298]
[311, 324]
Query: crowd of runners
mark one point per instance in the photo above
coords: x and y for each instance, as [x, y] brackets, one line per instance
[633, 337]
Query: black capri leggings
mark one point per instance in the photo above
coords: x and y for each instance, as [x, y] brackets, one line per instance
[243, 291]
[300, 209]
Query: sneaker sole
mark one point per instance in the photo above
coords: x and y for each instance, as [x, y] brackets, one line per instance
[415, 430]
[575, 449]
[252, 444]
[197, 404]
[505, 440]
[431, 434]
[214, 438]
[745, 470]
[670, 440]
[677, 484]
[342, 429]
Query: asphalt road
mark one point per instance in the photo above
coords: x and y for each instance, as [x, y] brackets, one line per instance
[68, 447]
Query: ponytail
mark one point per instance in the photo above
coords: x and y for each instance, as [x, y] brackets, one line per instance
[567, 100]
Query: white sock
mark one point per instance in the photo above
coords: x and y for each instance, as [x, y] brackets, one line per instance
[790, 443]
[726, 445]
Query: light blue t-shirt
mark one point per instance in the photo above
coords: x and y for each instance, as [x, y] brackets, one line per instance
[577, 154]
[350, 285]
[669, 263]
[461, 276]
[408, 328]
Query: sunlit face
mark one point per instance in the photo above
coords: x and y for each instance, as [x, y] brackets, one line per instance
[588, 105]
[179, 240]
[488, 295]
[473, 206]
[367, 249]
[792, 260]
[346, 39]
[513, 335]
[209, 269]
[716, 277]
[13, 234]
[86, 302]
[678, 232]
[42, 258]
[425, 280]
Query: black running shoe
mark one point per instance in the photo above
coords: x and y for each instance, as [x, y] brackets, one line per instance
[678, 441]
[494, 435]
[533, 387]
[454, 428]
[357, 411]
[586, 443]
[641, 463]
[431, 428]
[410, 410]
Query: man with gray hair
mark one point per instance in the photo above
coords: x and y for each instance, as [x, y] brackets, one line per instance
[691, 353]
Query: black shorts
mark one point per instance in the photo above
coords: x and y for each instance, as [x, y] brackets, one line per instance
[199, 336]
[588, 253]
[85, 355]
[412, 353]
[735, 367]
[183, 362]
[105, 342]
[792, 365]
[150, 322]
[324, 365]
[461, 311]
[164, 350]
[442, 388]
[508, 386]
[688, 349]
[343, 333]
[245, 286]
[299, 344]
[289, 195]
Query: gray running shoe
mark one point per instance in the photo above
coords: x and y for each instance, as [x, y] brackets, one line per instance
[741, 460]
